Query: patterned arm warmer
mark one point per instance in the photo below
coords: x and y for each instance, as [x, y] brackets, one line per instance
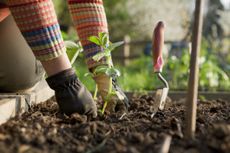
[89, 19]
[38, 23]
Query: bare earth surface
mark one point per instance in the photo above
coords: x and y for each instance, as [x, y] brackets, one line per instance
[44, 129]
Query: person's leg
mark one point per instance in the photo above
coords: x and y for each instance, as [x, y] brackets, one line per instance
[38, 24]
[89, 19]
[19, 70]
[56, 65]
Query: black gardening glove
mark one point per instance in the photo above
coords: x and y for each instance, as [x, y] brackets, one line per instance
[71, 95]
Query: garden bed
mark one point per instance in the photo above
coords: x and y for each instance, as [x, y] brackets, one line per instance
[44, 129]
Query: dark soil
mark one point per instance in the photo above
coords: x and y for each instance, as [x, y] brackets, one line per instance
[44, 129]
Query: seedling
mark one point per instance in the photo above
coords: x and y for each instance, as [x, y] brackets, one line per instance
[102, 40]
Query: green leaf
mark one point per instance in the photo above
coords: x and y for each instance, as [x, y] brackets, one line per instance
[112, 46]
[104, 39]
[88, 74]
[100, 35]
[72, 50]
[113, 72]
[98, 56]
[117, 44]
[95, 39]
[107, 52]
[64, 35]
[100, 69]
[71, 45]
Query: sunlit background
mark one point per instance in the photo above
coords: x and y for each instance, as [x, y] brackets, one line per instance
[226, 3]
[135, 19]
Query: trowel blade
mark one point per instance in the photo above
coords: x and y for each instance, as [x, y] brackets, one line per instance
[161, 95]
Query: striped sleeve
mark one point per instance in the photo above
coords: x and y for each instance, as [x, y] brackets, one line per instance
[89, 19]
[38, 24]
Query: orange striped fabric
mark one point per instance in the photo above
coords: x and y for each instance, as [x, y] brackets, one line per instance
[38, 23]
[89, 19]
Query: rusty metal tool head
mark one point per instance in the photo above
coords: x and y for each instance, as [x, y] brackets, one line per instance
[157, 45]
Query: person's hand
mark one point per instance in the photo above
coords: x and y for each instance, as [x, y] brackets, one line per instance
[71, 95]
[118, 101]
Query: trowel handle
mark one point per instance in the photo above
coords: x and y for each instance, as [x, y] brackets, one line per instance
[157, 47]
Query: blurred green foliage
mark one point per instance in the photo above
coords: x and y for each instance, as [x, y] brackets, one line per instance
[211, 77]
[213, 29]
[73, 50]
[63, 14]
[118, 18]
[139, 76]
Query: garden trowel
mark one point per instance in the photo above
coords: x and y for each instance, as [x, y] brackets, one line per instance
[157, 48]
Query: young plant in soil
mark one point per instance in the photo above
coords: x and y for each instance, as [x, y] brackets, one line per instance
[102, 40]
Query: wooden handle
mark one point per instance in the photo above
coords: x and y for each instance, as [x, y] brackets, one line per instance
[157, 45]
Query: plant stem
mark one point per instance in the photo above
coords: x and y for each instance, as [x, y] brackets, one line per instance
[104, 107]
[108, 95]
[95, 93]
[108, 59]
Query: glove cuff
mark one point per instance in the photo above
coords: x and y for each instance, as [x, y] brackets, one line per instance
[61, 78]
